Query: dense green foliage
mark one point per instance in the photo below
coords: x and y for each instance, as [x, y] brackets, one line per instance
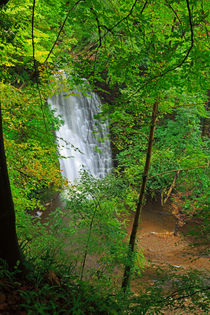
[135, 54]
[123, 45]
[52, 284]
[31, 150]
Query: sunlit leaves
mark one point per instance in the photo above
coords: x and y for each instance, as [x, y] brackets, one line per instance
[31, 150]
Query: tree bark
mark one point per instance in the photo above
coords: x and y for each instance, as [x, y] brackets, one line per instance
[3, 2]
[205, 121]
[9, 249]
[129, 264]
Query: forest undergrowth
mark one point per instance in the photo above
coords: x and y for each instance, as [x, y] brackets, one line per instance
[57, 280]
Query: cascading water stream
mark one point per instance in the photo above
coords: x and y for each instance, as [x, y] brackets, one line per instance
[77, 138]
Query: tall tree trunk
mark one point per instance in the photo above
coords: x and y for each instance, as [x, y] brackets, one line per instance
[9, 249]
[129, 264]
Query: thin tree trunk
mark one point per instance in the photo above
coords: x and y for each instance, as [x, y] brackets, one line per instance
[171, 187]
[205, 121]
[9, 249]
[129, 263]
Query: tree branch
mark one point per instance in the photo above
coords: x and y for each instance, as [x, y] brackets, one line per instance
[189, 295]
[110, 30]
[34, 61]
[130, 13]
[32, 33]
[171, 187]
[191, 45]
[182, 61]
[61, 28]
[99, 35]
[179, 170]
[170, 6]
[125, 17]
[98, 25]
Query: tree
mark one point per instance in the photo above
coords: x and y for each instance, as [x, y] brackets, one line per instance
[3, 2]
[16, 66]
[132, 241]
[9, 249]
[144, 49]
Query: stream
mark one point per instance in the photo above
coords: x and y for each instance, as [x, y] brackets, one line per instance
[160, 247]
[156, 238]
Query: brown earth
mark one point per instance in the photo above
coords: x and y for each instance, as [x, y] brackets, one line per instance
[160, 246]
[162, 249]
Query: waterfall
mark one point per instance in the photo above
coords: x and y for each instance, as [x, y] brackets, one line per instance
[78, 137]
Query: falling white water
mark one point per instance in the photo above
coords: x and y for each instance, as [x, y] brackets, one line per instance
[77, 137]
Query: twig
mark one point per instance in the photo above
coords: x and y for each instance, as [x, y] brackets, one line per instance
[21, 172]
[144, 6]
[191, 45]
[172, 295]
